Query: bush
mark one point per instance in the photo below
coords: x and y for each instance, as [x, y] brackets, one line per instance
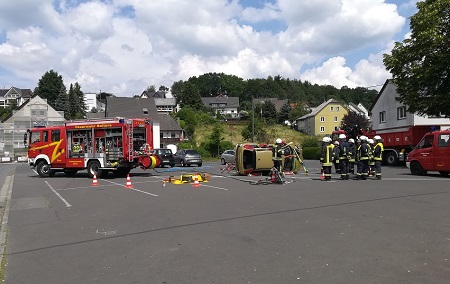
[310, 141]
[311, 153]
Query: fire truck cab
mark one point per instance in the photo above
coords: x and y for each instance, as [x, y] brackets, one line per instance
[101, 146]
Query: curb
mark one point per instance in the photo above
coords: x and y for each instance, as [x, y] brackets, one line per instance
[5, 203]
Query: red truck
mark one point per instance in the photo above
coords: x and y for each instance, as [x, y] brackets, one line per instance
[101, 146]
[397, 142]
[432, 153]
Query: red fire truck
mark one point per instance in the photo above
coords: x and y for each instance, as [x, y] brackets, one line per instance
[101, 146]
[397, 142]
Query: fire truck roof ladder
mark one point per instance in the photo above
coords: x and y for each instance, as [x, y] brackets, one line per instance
[130, 139]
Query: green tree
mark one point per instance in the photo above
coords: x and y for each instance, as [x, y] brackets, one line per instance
[269, 112]
[49, 86]
[283, 115]
[191, 97]
[259, 131]
[62, 101]
[420, 65]
[352, 122]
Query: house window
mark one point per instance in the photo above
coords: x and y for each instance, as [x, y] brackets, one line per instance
[401, 112]
[145, 110]
[331, 108]
[335, 119]
[322, 129]
[172, 135]
[336, 128]
[322, 119]
[382, 117]
[337, 108]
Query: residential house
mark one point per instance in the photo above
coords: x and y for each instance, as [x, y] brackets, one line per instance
[323, 119]
[33, 112]
[387, 113]
[165, 129]
[359, 109]
[91, 101]
[222, 104]
[14, 96]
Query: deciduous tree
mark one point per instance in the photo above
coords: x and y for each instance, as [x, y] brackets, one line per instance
[420, 65]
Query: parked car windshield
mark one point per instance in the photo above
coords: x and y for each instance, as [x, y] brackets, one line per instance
[163, 151]
[191, 152]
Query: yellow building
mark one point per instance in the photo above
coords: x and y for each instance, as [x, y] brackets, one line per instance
[323, 119]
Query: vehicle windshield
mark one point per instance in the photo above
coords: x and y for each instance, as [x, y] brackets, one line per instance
[426, 142]
[163, 151]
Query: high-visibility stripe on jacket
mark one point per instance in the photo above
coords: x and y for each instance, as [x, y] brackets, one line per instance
[364, 151]
[327, 155]
[378, 152]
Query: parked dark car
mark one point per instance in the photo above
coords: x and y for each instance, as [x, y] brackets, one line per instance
[166, 156]
[228, 156]
[187, 157]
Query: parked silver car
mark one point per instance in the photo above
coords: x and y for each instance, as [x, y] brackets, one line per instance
[228, 156]
[187, 157]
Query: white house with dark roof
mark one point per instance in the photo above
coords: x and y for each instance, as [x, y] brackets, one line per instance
[14, 96]
[223, 105]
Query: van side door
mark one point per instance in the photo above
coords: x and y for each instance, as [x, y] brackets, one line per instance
[426, 153]
[442, 152]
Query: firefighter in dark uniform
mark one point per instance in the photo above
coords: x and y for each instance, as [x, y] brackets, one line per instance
[370, 142]
[336, 149]
[343, 156]
[364, 154]
[351, 155]
[378, 155]
[326, 157]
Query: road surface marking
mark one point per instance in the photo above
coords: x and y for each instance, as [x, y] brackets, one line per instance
[135, 189]
[59, 195]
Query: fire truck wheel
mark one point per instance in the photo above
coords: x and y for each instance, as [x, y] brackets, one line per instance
[43, 169]
[93, 169]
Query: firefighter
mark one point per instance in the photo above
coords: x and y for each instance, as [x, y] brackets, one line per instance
[277, 153]
[378, 155]
[364, 153]
[370, 142]
[343, 156]
[337, 167]
[326, 157]
[351, 155]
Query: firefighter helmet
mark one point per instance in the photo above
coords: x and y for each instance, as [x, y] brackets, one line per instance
[377, 137]
[351, 140]
[342, 136]
[326, 139]
[363, 138]
[278, 141]
[370, 141]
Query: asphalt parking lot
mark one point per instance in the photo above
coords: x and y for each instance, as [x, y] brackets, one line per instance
[228, 230]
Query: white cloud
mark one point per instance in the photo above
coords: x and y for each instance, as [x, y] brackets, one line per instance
[162, 41]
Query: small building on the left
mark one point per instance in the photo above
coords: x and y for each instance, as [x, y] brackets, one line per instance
[33, 112]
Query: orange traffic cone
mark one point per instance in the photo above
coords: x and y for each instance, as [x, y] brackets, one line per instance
[94, 181]
[322, 177]
[128, 182]
[273, 178]
[196, 183]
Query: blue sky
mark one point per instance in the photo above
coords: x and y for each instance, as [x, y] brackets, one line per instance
[124, 46]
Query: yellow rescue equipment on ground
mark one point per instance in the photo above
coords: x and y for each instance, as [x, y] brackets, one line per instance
[190, 178]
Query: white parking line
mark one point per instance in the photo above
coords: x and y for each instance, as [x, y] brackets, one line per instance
[213, 186]
[135, 189]
[59, 195]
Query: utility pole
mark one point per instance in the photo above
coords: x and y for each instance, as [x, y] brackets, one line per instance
[253, 121]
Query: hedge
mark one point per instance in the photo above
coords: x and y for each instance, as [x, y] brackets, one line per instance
[311, 153]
